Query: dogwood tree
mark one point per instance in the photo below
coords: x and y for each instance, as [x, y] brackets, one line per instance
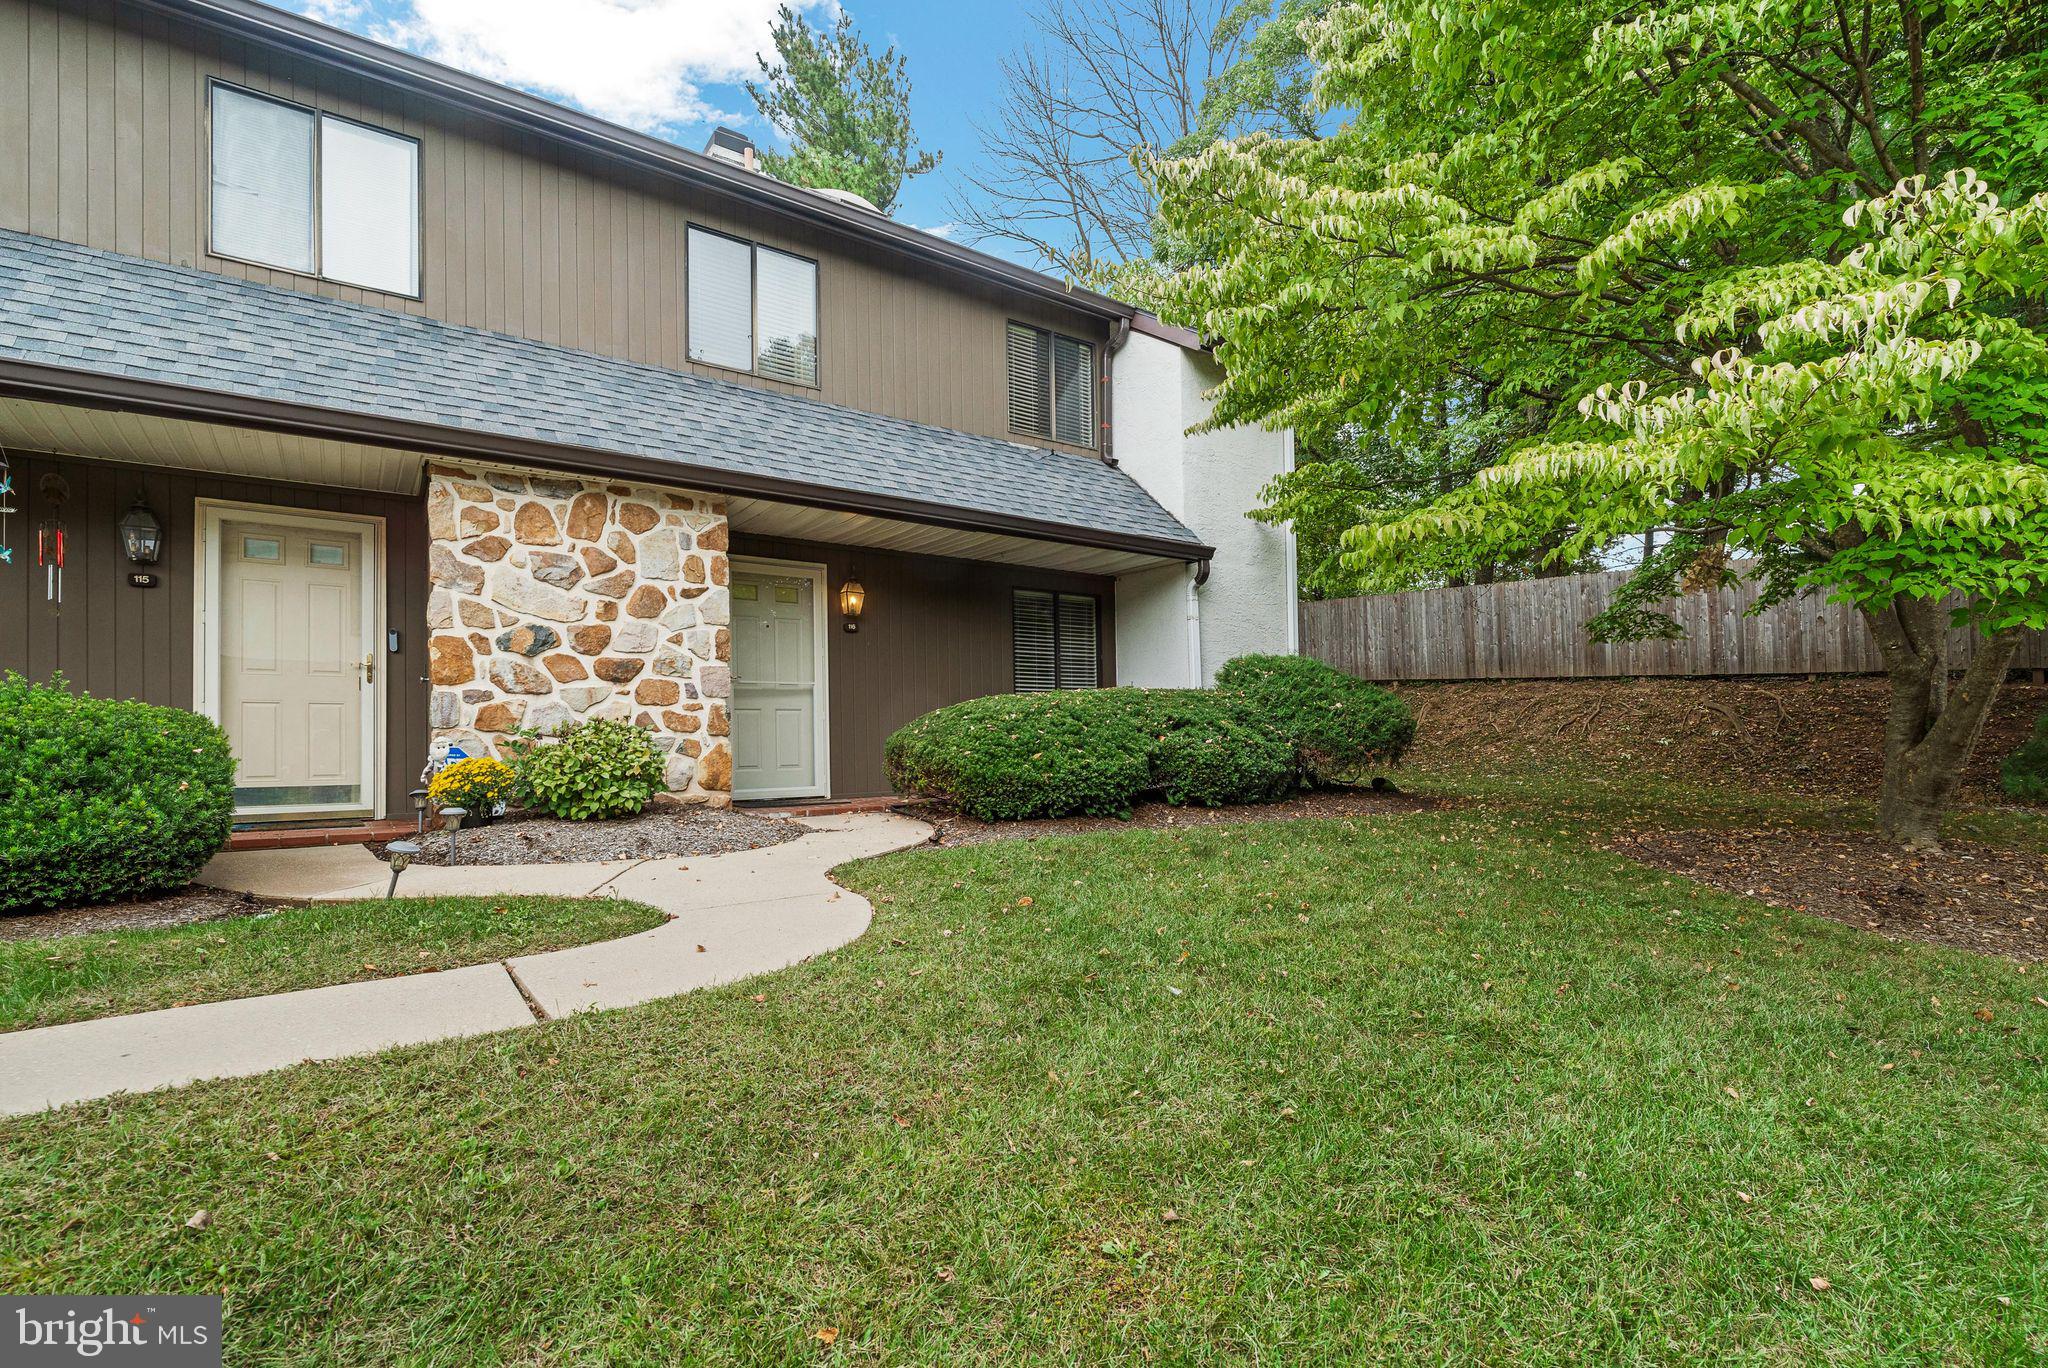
[1740, 252]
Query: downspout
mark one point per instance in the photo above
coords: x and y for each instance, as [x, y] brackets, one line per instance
[1198, 575]
[1119, 333]
[1292, 560]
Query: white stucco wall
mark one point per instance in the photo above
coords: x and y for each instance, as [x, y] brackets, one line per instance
[1209, 481]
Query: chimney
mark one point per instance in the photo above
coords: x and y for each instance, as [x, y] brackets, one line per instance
[736, 148]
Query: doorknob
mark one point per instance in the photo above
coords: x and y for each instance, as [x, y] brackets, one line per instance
[369, 668]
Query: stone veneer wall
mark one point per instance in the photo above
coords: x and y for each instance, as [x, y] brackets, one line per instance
[558, 598]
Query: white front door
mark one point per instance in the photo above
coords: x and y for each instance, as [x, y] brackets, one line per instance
[778, 699]
[289, 617]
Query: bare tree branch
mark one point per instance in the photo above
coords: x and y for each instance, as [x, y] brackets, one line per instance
[1103, 79]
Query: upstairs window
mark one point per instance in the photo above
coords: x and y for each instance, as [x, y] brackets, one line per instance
[1052, 385]
[308, 192]
[1053, 641]
[752, 308]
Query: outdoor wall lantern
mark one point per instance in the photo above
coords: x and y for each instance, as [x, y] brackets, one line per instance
[142, 536]
[852, 598]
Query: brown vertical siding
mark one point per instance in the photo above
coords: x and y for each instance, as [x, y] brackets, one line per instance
[935, 631]
[103, 140]
[121, 642]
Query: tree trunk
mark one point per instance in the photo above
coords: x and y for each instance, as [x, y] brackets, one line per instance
[1932, 726]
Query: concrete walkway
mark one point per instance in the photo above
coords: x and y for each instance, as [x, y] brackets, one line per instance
[751, 911]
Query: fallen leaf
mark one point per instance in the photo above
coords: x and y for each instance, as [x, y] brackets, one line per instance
[825, 1335]
[700, 949]
[760, 997]
[1023, 902]
[199, 1220]
[903, 1121]
[945, 1275]
[1984, 1014]
[1169, 1215]
[1732, 1093]
[1819, 1284]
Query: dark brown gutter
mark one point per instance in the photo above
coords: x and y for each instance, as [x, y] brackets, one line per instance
[1187, 338]
[473, 94]
[125, 394]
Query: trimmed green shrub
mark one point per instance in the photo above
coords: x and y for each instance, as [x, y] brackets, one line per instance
[103, 799]
[1013, 756]
[600, 768]
[1340, 726]
[2025, 772]
[1280, 723]
[1212, 764]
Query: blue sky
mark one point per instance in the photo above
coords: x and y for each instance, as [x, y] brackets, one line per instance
[673, 67]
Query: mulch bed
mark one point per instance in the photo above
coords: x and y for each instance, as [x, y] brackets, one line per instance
[1817, 739]
[662, 830]
[1972, 897]
[196, 903]
[952, 829]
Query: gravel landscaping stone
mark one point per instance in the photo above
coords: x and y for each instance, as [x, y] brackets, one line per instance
[662, 830]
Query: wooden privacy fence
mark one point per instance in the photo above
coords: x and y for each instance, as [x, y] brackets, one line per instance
[1536, 629]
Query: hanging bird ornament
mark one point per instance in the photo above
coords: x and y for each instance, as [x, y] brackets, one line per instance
[6, 508]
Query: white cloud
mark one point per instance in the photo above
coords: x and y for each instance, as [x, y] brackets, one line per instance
[638, 62]
[942, 230]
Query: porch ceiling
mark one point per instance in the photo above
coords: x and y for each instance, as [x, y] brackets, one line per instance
[210, 448]
[766, 518]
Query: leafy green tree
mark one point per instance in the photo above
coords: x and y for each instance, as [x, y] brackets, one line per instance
[1741, 255]
[1363, 472]
[845, 111]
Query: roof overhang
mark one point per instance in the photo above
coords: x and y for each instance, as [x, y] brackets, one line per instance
[473, 94]
[65, 388]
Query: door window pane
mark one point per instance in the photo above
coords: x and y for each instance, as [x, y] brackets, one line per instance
[721, 310]
[262, 180]
[369, 207]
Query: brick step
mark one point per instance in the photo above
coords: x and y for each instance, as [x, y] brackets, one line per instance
[296, 837]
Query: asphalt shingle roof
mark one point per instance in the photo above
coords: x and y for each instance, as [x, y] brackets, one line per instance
[76, 307]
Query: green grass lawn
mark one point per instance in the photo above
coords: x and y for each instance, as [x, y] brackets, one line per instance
[1443, 1088]
[73, 978]
[1560, 786]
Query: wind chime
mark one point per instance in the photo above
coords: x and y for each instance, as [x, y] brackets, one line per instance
[6, 508]
[50, 541]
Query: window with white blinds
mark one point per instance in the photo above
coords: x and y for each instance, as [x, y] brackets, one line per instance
[721, 312]
[786, 310]
[1054, 641]
[1052, 385]
[262, 180]
[363, 227]
[1073, 391]
[752, 308]
[369, 207]
[1030, 362]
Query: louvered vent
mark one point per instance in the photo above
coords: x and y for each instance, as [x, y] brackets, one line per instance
[1030, 381]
